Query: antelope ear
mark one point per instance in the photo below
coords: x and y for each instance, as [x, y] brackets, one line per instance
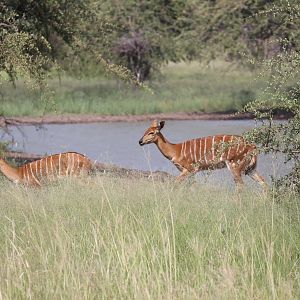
[154, 124]
[161, 124]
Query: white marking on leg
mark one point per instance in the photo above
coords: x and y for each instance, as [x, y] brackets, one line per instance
[228, 165]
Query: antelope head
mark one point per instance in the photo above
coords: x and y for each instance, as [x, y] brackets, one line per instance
[151, 134]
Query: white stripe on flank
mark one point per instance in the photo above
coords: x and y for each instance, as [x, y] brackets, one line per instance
[184, 153]
[51, 164]
[191, 155]
[200, 156]
[204, 153]
[46, 166]
[68, 164]
[59, 166]
[238, 146]
[26, 168]
[41, 173]
[195, 153]
[213, 148]
[181, 151]
[24, 172]
[33, 174]
[223, 148]
[243, 144]
[78, 162]
[72, 164]
[230, 143]
[36, 168]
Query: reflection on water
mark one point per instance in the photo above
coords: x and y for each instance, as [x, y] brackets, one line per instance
[117, 143]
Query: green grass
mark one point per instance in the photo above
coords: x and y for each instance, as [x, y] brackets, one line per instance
[107, 238]
[180, 87]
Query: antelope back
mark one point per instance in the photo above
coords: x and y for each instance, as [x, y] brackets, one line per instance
[215, 149]
[54, 166]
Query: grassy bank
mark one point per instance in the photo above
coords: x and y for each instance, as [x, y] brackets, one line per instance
[180, 87]
[133, 239]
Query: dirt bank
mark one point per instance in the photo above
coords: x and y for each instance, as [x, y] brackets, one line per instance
[92, 118]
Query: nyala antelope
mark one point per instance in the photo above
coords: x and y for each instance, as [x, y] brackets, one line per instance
[211, 152]
[50, 167]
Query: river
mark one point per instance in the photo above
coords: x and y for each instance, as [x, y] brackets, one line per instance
[117, 143]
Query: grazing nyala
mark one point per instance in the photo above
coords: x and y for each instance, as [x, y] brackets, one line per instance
[50, 167]
[211, 152]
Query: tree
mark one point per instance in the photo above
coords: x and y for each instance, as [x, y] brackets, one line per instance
[234, 28]
[36, 36]
[146, 33]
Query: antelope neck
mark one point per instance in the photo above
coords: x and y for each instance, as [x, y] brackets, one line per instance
[165, 147]
[10, 172]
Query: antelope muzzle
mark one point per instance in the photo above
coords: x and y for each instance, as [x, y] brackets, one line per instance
[141, 142]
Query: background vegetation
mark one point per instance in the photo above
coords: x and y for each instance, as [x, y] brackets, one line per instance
[132, 39]
[188, 87]
[122, 238]
[132, 239]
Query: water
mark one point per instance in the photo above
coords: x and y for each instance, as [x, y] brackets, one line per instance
[117, 143]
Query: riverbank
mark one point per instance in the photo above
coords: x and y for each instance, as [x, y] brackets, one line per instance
[93, 118]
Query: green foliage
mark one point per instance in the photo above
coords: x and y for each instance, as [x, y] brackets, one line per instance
[19, 51]
[146, 33]
[234, 27]
[282, 94]
[37, 37]
[3, 148]
[190, 87]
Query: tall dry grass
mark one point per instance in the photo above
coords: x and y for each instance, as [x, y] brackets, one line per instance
[112, 238]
